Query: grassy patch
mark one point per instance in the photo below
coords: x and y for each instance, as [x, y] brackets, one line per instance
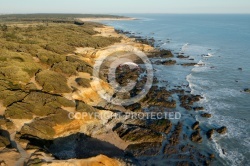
[38, 104]
[53, 82]
[83, 82]
[65, 67]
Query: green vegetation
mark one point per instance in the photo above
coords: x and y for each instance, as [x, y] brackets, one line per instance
[43, 127]
[36, 58]
[3, 27]
[80, 65]
[17, 67]
[55, 38]
[65, 67]
[10, 97]
[53, 82]
[56, 18]
[26, 50]
[83, 107]
[83, 82]
[37, 103]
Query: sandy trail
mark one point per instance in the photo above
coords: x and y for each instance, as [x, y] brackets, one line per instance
[23, 153]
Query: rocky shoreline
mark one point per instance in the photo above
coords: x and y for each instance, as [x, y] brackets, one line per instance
[186, 99]
[36, 128]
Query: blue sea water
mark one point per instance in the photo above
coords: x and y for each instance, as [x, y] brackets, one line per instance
[226, 41]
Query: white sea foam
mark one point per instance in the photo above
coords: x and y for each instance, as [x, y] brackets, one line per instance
[236, 127]
[223, 93]
[236, 130]
[198, 85]
[191, 86]
[233, 157]
[208, 55]
[218, 148]
[200, 69]
[184, 47]
[194, 50]
[200, 64]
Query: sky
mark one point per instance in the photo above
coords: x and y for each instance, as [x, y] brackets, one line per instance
[124, 6]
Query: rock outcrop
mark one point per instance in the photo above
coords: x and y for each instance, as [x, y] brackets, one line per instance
[195, 126]
[137, 134]
[222, 130]
[189, 64]
[37, 104]
[166, 62]
[206, 115]
[4, 139]
[247, 90]
[210, 133]
[188, 100]
[182, 56]
[196, 137]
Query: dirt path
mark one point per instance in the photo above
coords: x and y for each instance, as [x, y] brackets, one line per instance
[23, 153]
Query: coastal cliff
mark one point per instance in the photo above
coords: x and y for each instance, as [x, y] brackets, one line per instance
[46, 75]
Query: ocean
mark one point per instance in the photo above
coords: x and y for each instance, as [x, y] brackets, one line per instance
[221, 43]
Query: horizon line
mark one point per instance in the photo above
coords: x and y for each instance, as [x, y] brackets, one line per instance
[112, 13]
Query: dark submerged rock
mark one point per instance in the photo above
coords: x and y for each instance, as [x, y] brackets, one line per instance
[198, 108]
[196, 137]
[162, 54]
[206, 115]
[161, 125]
[222, 130]
[174, 139]
[182, 56]
[195, 126]
[166, 62]
[247, 90]
[189, 64]
[210, 133]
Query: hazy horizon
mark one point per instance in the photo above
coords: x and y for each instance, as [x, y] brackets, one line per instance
[123, 14]
[125, 7]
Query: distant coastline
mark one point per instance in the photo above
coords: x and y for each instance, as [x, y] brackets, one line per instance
[61, 18]
[106, 19]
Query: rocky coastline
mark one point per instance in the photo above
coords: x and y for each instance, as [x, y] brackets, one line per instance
[36, 128]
